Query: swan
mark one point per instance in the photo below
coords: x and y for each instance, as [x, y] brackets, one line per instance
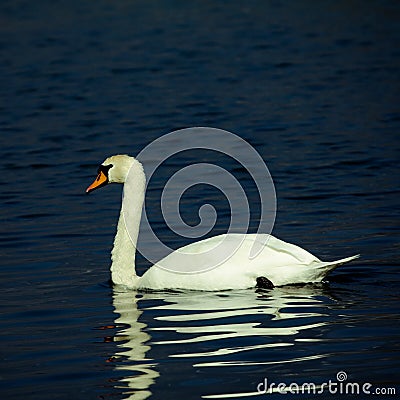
[277, 264]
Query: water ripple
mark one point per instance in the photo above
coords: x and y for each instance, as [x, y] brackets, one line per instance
[213, 326]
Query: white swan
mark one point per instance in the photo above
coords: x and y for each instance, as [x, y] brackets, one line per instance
[278, 262]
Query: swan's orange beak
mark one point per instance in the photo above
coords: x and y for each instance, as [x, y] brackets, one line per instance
[100, 181]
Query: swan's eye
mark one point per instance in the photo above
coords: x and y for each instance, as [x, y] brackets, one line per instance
[104, 169]
[101, 179]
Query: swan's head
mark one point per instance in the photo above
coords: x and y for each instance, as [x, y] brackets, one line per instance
[114, 169]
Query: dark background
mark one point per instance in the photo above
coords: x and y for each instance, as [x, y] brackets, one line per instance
[313, 86]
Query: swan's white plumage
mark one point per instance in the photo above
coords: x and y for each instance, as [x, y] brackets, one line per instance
[280, 262]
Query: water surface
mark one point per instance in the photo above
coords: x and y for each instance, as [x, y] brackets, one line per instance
[313, 87]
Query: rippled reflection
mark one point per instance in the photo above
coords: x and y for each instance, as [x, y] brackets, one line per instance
[139, 371]
[226, 324]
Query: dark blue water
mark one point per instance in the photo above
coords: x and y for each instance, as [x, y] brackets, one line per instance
[313, 86]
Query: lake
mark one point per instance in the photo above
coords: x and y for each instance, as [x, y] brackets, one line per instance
[313, 87]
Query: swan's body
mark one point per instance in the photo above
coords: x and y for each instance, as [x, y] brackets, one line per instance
[280, 262]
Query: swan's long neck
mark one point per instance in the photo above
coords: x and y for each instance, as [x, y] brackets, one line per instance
[123, 270]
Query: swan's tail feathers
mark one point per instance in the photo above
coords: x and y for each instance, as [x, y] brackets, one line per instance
[331, 265]
[344, 260]
[325, 268]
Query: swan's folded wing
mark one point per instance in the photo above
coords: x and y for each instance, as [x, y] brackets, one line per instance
[224, 262]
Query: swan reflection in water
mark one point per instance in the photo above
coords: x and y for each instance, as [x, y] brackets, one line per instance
[132, 342]
[215, 318]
